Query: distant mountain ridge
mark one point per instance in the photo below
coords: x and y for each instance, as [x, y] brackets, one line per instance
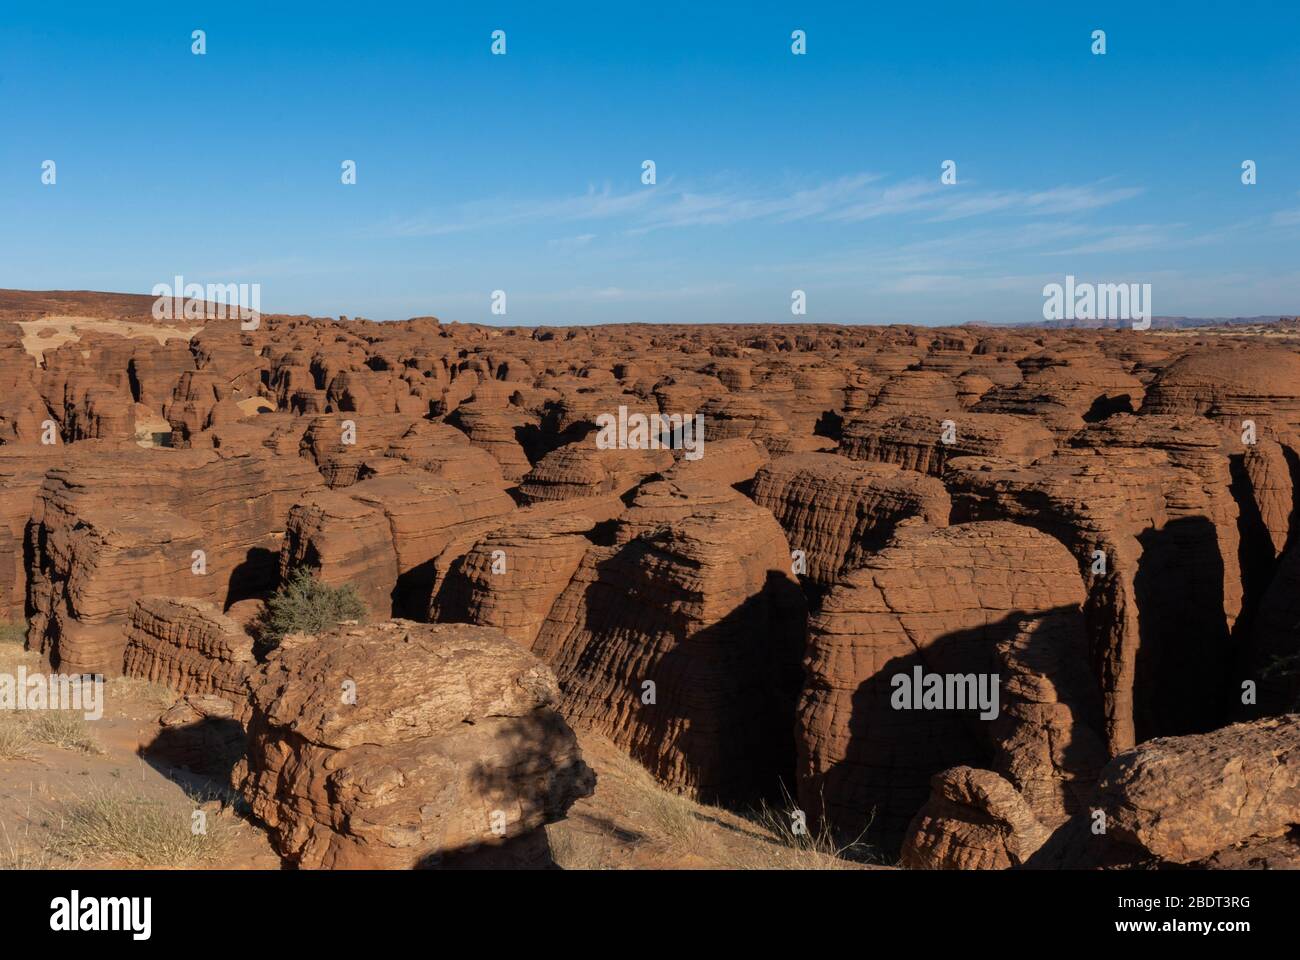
[1165, 323]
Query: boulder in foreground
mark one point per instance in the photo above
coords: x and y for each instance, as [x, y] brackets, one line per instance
[1184, 798]
[401, 744]
[974, 820]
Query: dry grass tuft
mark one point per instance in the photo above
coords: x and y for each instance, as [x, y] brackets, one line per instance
[140, 690]
[696, 834]
[20, 730]
[574, 849]
[67, 729]
[672, 815]
[19, 852]
[63, 728]
[15, 740]
[13, 656]
[794, 845]
[108, 824]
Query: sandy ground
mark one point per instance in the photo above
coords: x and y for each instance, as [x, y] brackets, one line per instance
[46, 794]
[629, 823]
[49, 333]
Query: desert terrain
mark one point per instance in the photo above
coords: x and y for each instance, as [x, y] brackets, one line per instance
[423, 594]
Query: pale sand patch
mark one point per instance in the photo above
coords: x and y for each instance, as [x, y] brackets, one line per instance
[254, 405]
[49, 333]
[148, 425]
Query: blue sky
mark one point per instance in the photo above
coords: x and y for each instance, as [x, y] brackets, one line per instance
[775, 172]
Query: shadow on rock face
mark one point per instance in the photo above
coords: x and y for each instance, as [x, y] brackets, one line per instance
[883, 775]
[1183, 645]
[723, 722]
[258, 573]
[530, 851]
[523, 775]
[204, 750]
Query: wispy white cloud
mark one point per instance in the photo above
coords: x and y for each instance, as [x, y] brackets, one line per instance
[595, 204]
[1125, 239]
[821, 201]
[617, 294]
[848, 199]
[1286, 218]
[1057, 201]
[571, 243]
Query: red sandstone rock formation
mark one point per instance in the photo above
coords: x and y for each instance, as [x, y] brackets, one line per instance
[581, 470]
[190, 646]
[110, 528]
[974, 820]
[1144, 535]
[444, 449]
[926, 443]
[381, 535]
[949, 601]
[1224, 799]
[729, 462]
[402, 745]
[512, 577]
[1064, 390]
[1260, 383]
[836, 511]
[680, 642]
[1184, 798]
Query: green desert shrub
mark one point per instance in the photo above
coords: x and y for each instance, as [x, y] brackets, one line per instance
[305, 605]
[1285, 668]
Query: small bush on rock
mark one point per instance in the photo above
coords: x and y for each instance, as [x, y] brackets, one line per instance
[305, 605]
